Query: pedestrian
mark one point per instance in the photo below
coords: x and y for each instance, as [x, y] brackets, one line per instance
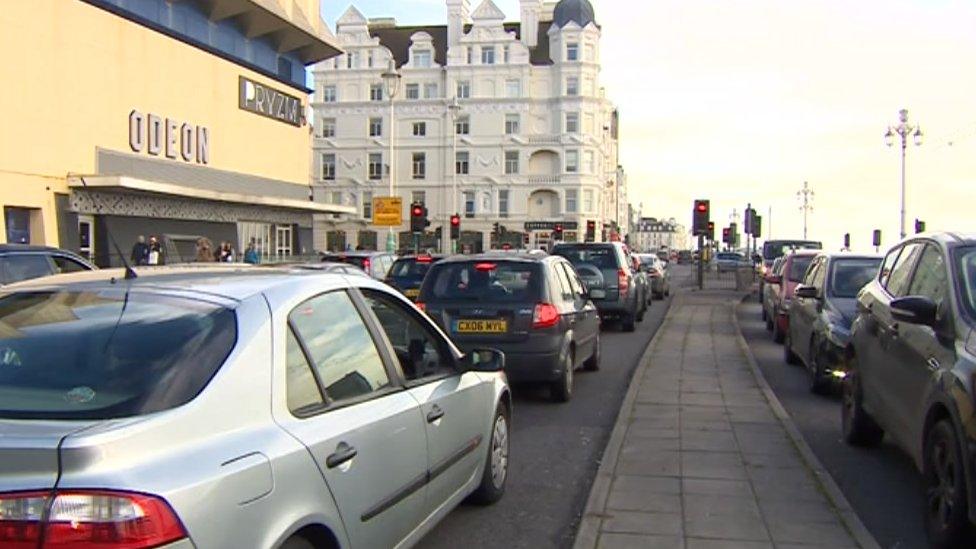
[140, 251]
[227, 254]
[155, 251]
[204, 250]
[251, 254]
[218, 252]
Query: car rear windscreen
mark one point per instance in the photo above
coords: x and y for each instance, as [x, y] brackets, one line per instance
[798, 267]
[601, 257]
[483, 281]
[850, 275]
[779, 248]
[410, 268]
[105, 355]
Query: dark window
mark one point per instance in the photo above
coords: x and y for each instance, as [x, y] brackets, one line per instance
[339, 346]
[420, 353]
[410, 269]
[107, 354]
[930, 279]
[18, 225]
[25, 267]
[601, 257]
[67, 265]
[798, 267]
[850, 275]
[965, 261]
[810, 278]
[488, 281]
[902, 270]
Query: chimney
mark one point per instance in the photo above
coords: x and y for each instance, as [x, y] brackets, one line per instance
[458, 15]
[530, 22]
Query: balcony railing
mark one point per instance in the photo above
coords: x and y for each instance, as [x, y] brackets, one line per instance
[544, 139]
[552, 179]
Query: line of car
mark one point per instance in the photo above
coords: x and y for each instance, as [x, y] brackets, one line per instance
[896, 333]
[297, 406]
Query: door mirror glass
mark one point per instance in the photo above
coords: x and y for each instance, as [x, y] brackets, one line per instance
[484, 360]
[915, 310]
[807, 292]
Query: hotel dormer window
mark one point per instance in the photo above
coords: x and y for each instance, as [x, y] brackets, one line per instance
[421, 58]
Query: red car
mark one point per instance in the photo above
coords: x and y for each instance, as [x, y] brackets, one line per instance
[794, 267]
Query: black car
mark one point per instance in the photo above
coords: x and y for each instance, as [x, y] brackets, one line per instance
[912, 373]
[376, 264]
[819, 328]
[408, 272]
[23, 262]
[605, 268]
[533, 307]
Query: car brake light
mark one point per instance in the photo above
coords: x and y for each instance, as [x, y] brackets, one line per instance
[623, 282]
[545, 315]
[88, 519]
[485, 266]
[424, 259]
[366, 265]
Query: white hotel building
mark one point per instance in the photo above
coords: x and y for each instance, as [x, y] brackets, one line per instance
[532, 144]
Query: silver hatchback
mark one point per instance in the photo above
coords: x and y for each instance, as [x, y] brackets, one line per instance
[237, 407]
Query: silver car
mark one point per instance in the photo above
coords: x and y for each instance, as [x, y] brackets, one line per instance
[237, 407]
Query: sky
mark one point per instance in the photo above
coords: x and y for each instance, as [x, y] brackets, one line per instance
[741, 102]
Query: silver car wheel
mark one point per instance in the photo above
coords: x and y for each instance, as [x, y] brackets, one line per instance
[499, 451]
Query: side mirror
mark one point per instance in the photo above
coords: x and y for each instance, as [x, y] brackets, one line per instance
[596, 293]
[774, 279]
[806, 292]
[915, 309]
[484, 360]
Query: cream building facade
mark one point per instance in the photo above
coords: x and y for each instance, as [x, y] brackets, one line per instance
[531, 144]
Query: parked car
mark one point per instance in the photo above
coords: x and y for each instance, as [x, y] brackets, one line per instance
[407, 273]
[819, 328]
[643, 285]
[322, 267]
[532, 307]
[730, 261]
[376, 264]
[282, 408]
[795, 267]
[911, 374]
[773, 249]
[770, 292]
[606, 271]
[23, 262]
[659, 274]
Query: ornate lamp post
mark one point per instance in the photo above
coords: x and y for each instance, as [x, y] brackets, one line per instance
[903, 130]
[391, 80]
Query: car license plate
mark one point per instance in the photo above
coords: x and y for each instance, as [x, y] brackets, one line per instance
[481, 326]
[415, 292]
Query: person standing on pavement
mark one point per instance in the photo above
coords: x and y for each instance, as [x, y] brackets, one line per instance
[251, 254]
[227, 254]
[140, 251]
[155, 251]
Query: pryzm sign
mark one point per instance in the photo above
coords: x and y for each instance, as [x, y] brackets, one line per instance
[168, 137]
[260, 99]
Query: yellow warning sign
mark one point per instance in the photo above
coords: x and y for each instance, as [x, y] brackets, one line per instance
[387, 211]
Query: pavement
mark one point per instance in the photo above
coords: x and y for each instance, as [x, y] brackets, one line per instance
[703, 455]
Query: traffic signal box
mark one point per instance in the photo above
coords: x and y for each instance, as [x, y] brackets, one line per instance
[418, 217]
[919, 226]
[876, 238]
[557, 232]
[700, 217]
[455, 227]
[756, 225]
[590, 231]
[711, 231]
[726, 235]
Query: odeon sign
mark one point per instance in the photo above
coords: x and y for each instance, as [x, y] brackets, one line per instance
[168, 137]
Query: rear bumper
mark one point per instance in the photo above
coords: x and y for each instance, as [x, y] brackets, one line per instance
[534, 360]
[614, 308]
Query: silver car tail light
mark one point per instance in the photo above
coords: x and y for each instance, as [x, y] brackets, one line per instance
[87, 519]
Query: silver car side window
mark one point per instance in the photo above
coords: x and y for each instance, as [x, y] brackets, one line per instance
[336, 341]
[419, 352]
[304, 394]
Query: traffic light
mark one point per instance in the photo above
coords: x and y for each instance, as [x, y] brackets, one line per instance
[590, 230]
[919, 226]
[455, 227]
[733, 234]
[495, 230]
[847, 241]
[418, 217]
[700, 217]
[711, 231]
[557, 232]
[747, 220]
[727, 235]
[876, 238]
[757, 225]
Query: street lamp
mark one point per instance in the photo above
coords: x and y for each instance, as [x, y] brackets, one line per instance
[903, 130]
[454, 107]
[391, 80]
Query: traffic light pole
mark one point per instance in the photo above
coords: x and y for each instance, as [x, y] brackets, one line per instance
[701, 262]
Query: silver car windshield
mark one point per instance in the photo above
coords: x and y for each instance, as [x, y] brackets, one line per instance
[104, 355]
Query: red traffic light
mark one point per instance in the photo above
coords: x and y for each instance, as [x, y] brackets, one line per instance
[701, 206]
[418, 211]
[455, 220]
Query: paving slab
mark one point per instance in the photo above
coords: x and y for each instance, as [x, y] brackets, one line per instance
[704, 457]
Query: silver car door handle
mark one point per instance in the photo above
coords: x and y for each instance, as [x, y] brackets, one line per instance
[435, 414]
[342, 454]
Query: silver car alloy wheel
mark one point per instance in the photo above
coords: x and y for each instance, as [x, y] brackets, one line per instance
[499, 451]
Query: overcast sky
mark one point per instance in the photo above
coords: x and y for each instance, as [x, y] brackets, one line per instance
[744, 100]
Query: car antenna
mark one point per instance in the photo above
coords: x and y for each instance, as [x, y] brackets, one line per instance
[130, 274]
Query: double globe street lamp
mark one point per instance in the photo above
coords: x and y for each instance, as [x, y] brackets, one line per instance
[391, 81]
[903, 130]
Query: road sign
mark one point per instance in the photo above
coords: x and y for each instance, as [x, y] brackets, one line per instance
[387, 211]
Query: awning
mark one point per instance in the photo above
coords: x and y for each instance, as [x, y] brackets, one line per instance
[130, 184]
